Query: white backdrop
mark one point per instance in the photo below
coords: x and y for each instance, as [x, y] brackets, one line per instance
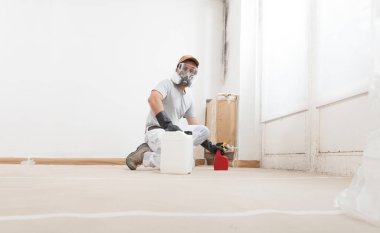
[75, 75]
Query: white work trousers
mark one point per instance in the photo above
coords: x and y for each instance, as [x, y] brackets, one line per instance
[153, 138]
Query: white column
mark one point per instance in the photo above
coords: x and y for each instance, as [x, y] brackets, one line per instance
[249, 141]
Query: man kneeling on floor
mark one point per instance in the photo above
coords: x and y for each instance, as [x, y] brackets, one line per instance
[169, 101]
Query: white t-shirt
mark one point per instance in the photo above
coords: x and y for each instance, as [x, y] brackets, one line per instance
[177, 104]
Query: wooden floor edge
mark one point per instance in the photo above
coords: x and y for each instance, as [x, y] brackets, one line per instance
[108, 161]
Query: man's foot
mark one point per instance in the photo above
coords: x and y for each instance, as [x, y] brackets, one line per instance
[136, 158]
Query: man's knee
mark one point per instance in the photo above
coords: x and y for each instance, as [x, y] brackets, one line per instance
[153, 138]
[203, 134]
[204, 131]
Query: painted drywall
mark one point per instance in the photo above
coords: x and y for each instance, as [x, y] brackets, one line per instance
[232, 48]
[285, 26]
[337, 118]
[249, 134]
[285, 136]
[240, 74]
[344, 57]
[75, 75]
[344, 126]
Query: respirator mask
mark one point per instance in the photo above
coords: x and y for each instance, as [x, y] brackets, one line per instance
[184, 74]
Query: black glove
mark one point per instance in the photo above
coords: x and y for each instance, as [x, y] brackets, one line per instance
[166, 123]
[213, 148]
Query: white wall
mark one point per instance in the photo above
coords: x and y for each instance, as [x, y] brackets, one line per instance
[285, 74]
[303, 94]
[329, 76]
[75, 75]
[284, 57]
[301, 69]
[241, 74]
[232, 49]
[344, 53]
[249, 109]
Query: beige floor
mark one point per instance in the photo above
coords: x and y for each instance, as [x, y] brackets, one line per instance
[41, 198]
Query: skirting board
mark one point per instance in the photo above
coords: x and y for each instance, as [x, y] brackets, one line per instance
[66, 161]
[109, 161]
[247, 163]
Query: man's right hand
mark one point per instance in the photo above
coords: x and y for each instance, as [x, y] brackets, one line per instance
[213, 148]
[166, 123]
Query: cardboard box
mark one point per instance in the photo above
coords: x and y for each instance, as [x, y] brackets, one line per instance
[221, 120]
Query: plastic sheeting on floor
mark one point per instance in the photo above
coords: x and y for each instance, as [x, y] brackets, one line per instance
[362, 197]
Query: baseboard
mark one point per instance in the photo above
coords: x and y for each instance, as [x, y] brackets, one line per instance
[247, 163]
[66, 161]
[235, 163]
[294, 162]
[109, 161]
[200, 162]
